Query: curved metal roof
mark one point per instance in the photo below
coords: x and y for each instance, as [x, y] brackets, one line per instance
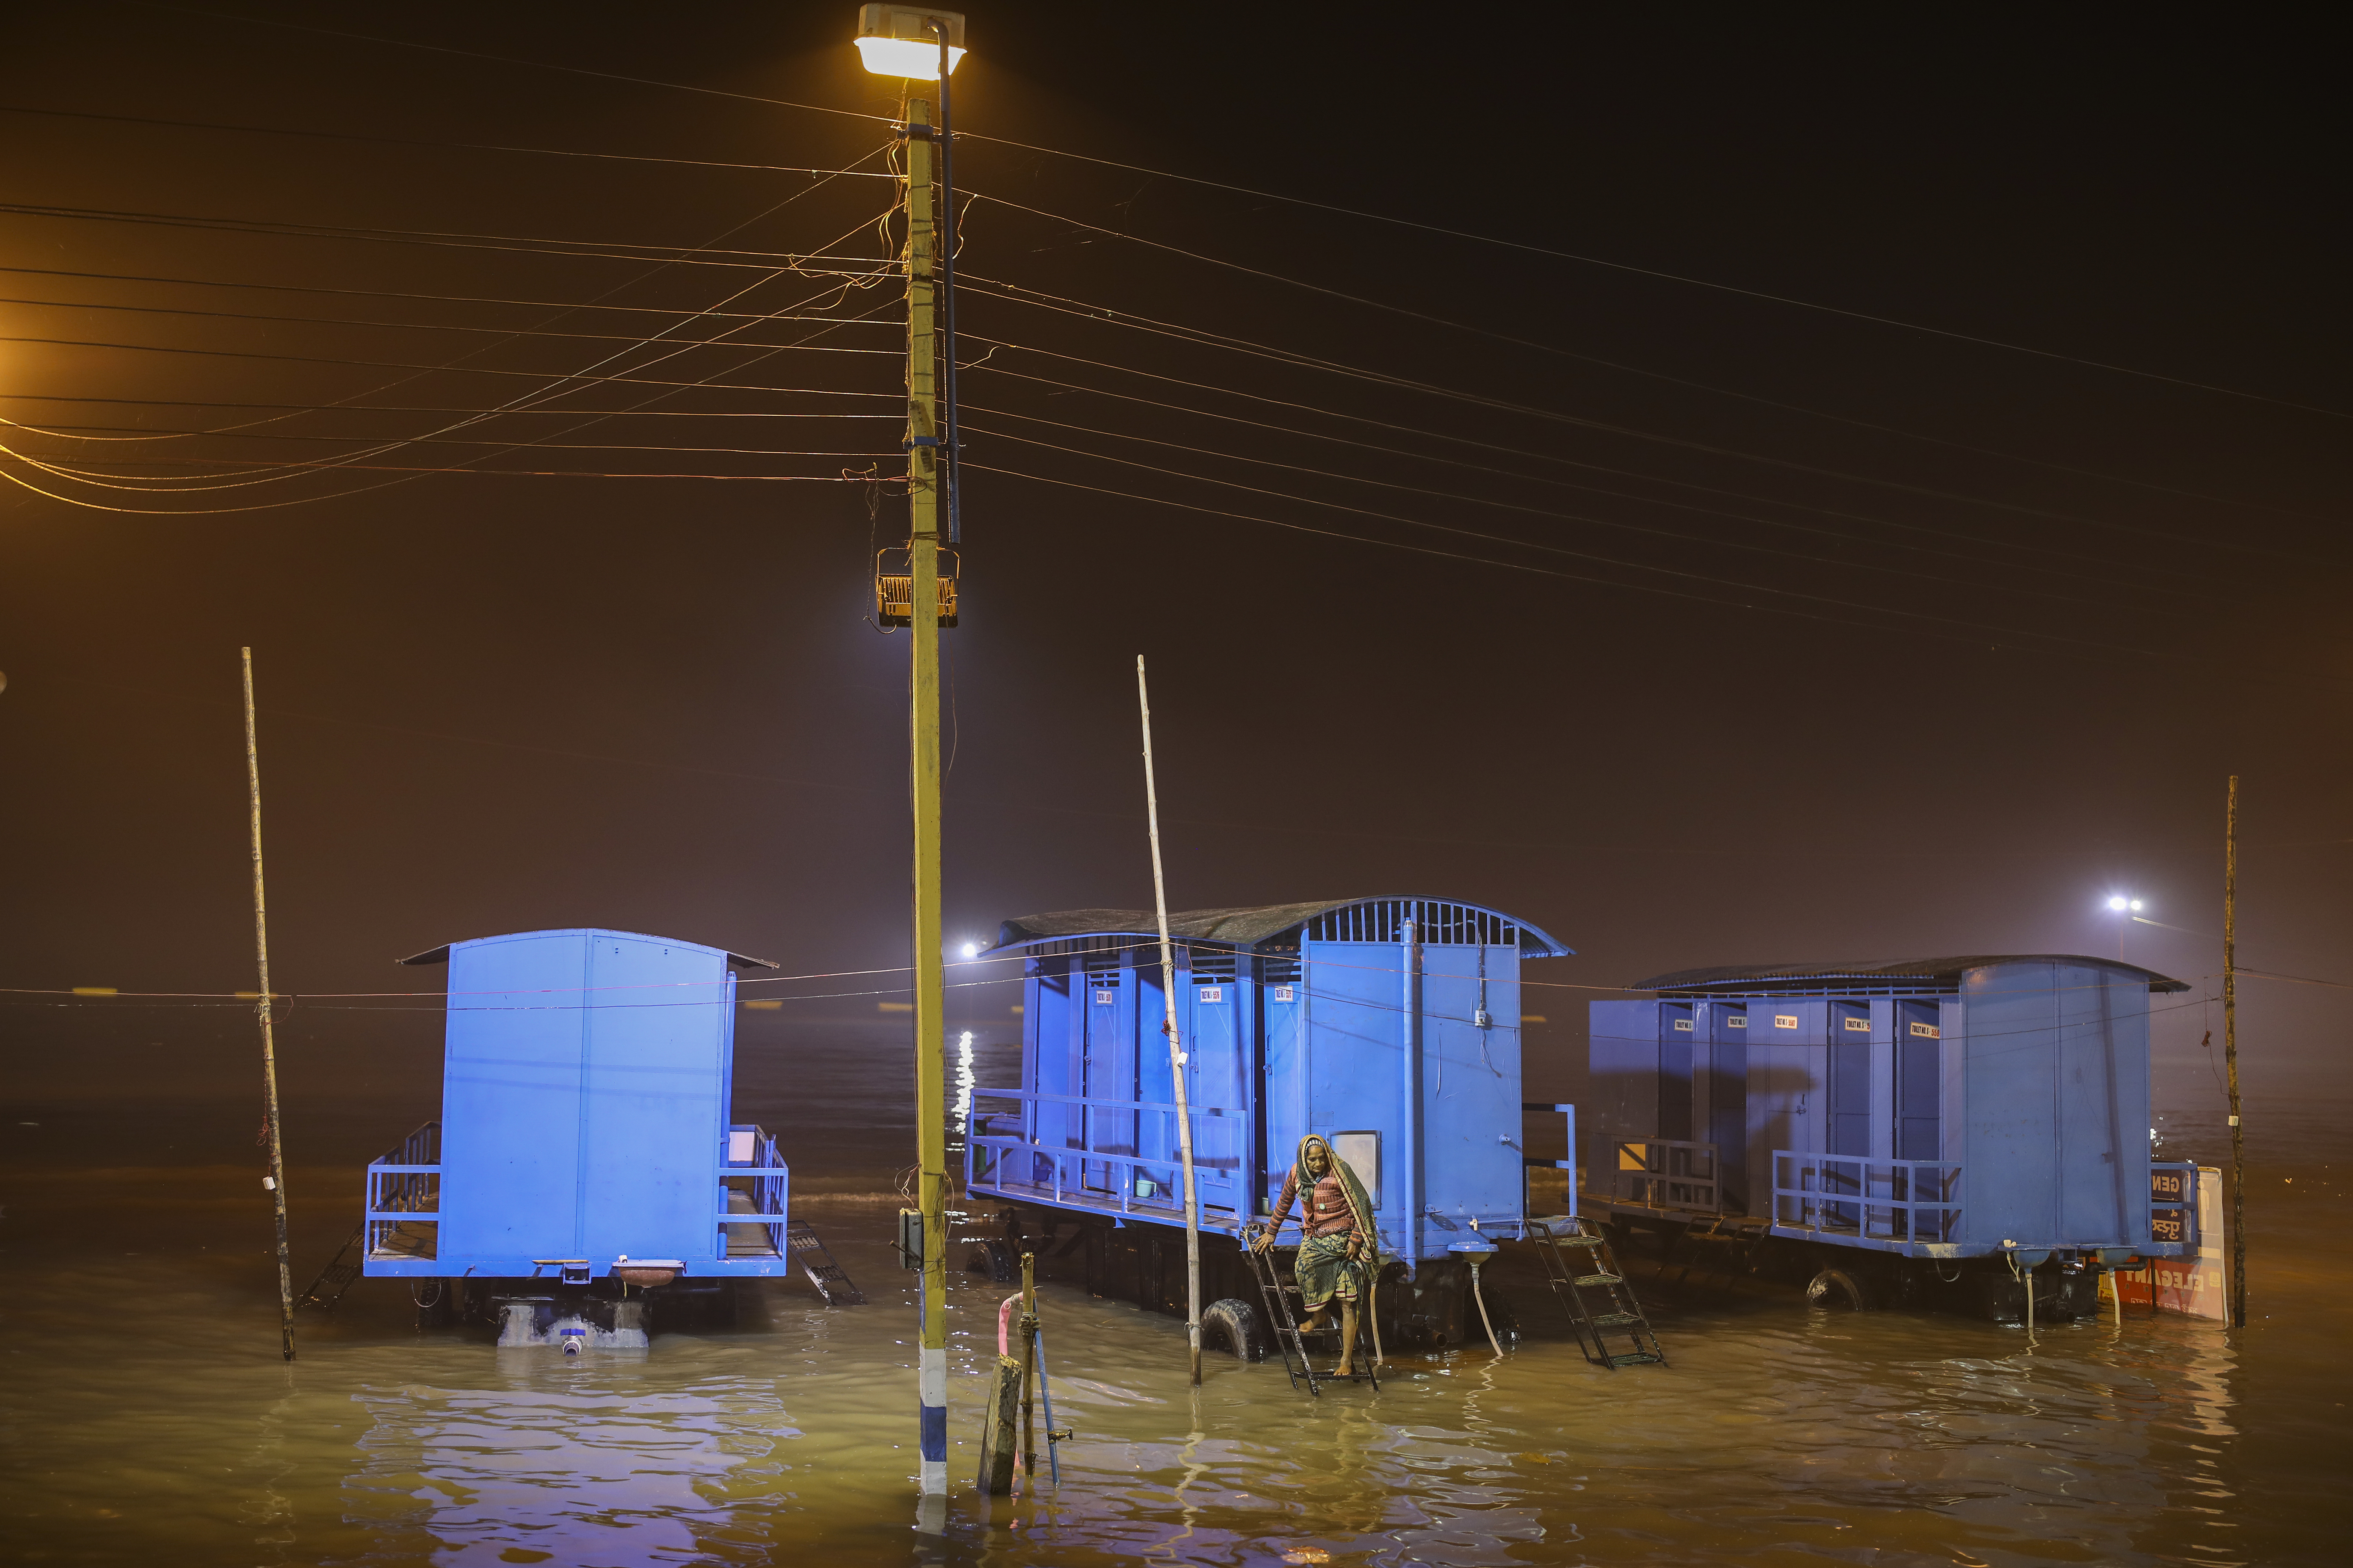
[1734, 979]
[441, 955]
[1236, 927]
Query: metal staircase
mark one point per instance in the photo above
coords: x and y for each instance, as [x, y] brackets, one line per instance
[1584, 1275]
[1278, 1320]
[817, 1264]
[336, 1277]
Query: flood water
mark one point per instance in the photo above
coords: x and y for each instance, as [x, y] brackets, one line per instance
[149, 1419]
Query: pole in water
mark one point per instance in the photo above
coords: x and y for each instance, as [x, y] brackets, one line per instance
[261, 1008]
[924, 500]
[1176, 1051]
[1030, 1367]
[2230, 1056]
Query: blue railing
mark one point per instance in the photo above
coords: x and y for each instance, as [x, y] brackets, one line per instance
[1866, 1198]
[404, 1197]
[1144, 1182]
[751, 1151]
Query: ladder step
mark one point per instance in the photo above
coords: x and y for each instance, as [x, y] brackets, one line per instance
[1602, 1279]
[1636, 1359]
[1615, 1320]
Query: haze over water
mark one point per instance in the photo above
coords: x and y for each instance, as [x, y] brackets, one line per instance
[148, 1417]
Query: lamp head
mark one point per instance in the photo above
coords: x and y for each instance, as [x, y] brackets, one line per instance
[898, 40]
[2117, 903]
[972, 950]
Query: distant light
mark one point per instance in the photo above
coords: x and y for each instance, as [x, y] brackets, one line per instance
[972, 949]
[2136, 903]
[2117, 903]
[911, 58]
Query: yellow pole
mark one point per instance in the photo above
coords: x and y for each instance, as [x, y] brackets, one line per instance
[2230, 1056]
[923, 782]
[269, 1045]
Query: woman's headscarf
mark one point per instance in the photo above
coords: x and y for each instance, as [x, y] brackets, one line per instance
[1360, 1204]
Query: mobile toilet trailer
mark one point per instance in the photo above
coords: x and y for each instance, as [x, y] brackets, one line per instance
[1389, 1026]
[1934, 1130]
[583, 1183]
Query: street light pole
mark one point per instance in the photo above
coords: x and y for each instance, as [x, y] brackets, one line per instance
[2230, 1056]
[923, 786]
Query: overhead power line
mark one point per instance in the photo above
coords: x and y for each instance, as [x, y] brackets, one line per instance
[513, 60]
[1675, 278]
[1390, 450]
[1741, 584]
[445, 146]
[528, 245]
[1262, 351]
[1844, 621]
[1537, 456]
[1579, 257]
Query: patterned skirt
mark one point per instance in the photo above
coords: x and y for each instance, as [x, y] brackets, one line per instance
[1325, 1269]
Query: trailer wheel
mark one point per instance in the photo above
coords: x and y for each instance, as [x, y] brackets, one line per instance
[993, 1259]
[1837, 1288]
[1233, 1325]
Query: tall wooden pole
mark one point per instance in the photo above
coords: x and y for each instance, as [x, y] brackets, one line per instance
[2230, 1057]
[923, 784]
[1176, 1053]
[261, 1007]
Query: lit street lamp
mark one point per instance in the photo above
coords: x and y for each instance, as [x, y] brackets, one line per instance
[2127, 907]
[919, 45]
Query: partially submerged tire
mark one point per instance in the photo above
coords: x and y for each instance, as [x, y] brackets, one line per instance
[993, 1259]
[1235, 1326]
[1837, 1289]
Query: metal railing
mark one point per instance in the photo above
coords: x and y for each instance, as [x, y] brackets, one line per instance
[403, 1218]
[1868, 1198]
[1666, 1174]
[764, 1221]
[1094, 1176]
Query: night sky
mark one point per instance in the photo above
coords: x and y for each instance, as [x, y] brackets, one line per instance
[1730, 594]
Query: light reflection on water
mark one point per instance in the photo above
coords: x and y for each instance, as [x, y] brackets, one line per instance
[144, 1417]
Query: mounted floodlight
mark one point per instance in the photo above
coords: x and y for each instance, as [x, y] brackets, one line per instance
[2136, 903]
[972, 950]
[898, 40]
[2116, 903]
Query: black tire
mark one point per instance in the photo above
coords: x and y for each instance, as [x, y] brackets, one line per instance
[1835, 1288]
[1235, 1326]
[993, 1259]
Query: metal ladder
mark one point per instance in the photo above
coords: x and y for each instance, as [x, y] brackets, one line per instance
[817, 1264]
[1278, 1320]
[336, 1277]
[1564, 1252]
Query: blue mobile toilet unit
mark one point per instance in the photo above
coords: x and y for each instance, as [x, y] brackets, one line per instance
[1928, 1128]
[585, 1167]
[1389, 1026]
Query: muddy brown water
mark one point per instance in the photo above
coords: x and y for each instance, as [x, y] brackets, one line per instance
[147, 1419]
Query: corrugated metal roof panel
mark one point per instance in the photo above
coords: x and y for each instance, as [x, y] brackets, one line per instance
[1872, 975]
[1232, 927]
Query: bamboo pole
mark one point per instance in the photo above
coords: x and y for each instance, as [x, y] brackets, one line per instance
[261, 1007]
[2230, 1056]
[1176, 1051]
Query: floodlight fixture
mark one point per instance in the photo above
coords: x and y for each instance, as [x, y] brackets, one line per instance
[904, 40]
[2117, 903]
[972, 950]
